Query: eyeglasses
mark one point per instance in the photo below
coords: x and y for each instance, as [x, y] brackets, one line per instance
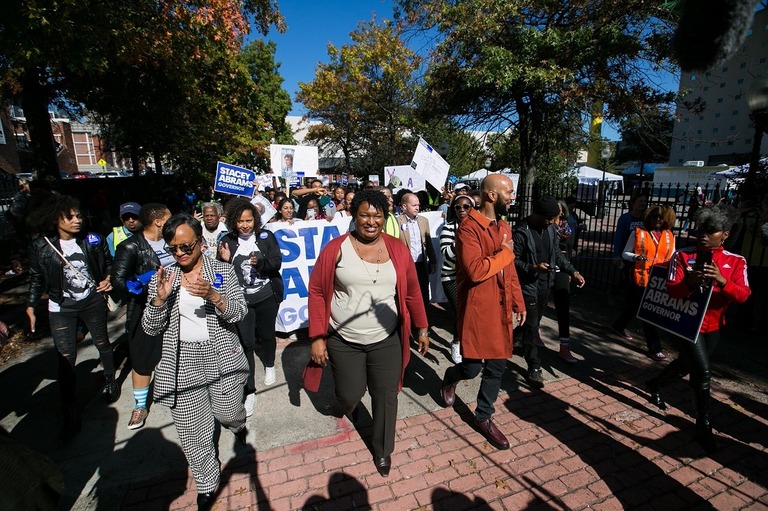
[186, 248]
[465, 207]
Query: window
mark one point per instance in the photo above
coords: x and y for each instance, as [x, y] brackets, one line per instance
[725, 69]
[751, 125]
[719, 100]
[735, 112]
[698, 132]
[701, 117]
[717, 115]
[706, 89]
[693, 78]
[732, 128]
[762, 60]
[743, 65]
[722, 85]
[730, 142]
[697, 146]
[714, 130]
[682, 147]
[737, 96]
[740, 81]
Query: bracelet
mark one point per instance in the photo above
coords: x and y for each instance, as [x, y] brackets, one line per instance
[221, 300]
[425, 335]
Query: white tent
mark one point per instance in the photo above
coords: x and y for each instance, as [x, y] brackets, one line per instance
[478, 174]
[588, 175]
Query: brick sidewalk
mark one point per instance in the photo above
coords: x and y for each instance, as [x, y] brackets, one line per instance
[588, 442]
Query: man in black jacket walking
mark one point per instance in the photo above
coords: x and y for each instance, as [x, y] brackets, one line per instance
[141, 253]
[536, 259]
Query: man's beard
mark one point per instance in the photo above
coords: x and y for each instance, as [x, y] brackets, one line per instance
[500, 207]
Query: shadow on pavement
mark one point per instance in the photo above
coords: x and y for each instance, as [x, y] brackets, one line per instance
[345, 492]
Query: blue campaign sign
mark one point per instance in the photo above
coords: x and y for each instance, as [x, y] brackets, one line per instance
[680, 316]
[234, 180]
[344, 179]
[296, 179]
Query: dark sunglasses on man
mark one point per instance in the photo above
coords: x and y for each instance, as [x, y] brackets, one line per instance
[186, 248]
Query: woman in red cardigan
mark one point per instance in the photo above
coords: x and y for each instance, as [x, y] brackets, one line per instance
[363, 297]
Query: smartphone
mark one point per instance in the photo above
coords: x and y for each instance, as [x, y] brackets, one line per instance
[311, 213]
[702, 257]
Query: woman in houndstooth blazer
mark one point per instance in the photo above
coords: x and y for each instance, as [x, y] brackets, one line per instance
[195, 304]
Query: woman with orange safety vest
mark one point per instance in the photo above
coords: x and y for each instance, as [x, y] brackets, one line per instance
[647, 246]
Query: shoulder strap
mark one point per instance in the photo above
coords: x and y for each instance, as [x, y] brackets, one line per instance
[66, 261]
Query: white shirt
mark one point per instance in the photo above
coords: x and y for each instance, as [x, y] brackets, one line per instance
[192, 323]
[210, 239]
[412, 226]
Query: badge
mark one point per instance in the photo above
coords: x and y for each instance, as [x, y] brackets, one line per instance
[263, 235]
[218, 280]
[93, 238]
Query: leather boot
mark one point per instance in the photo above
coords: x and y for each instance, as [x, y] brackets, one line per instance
[704, 434]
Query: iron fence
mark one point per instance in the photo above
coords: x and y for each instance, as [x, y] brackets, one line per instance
[598, 209]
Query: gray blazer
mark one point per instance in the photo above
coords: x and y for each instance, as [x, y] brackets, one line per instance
[233, 366]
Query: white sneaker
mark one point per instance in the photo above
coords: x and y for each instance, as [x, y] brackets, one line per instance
[456, 352]
[269, 376]
[250, 404]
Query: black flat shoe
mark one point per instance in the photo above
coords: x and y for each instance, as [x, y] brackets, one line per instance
[242, 437]
[655, 394]
[205, 501]
[383, 465]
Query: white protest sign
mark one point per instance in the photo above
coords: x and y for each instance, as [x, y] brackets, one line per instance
[291, 159]
[429, 164]
[403, 176]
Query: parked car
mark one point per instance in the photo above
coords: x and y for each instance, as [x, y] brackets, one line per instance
[80, 175]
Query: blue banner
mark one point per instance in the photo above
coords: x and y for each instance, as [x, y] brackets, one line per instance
[680, 316]
[234, 180]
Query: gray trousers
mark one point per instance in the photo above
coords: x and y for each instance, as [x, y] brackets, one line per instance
[200, 401]
[377, 366]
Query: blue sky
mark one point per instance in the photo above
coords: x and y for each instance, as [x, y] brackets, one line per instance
[312, 25]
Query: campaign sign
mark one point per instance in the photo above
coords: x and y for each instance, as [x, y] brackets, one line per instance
[300, 244]
[680, 316]
[234, 180]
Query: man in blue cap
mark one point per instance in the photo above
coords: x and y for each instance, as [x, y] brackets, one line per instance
[129, 215]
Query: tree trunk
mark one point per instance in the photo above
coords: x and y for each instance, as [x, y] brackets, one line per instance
[135, 161]
[158, 162]
[35, 99]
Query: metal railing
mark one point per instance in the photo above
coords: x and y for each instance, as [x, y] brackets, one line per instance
[599, 210]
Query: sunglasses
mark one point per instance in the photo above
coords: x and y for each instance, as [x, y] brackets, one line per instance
[186, 248]
[465, 207]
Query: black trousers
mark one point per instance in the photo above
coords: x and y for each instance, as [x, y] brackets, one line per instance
[652, 335]
[422, 272]
[451, 293]
[693, 360]
[534, 306]
[93, 312]
[561, 292]
[490, 384]
[259, 323]
[377, 366]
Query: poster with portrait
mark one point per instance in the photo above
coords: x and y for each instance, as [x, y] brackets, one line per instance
[265, 208]
[287, 160]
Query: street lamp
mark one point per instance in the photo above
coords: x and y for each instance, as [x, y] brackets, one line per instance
[757, 99]
[605, 154]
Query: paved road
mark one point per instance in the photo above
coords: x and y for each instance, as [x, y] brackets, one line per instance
[588, 439]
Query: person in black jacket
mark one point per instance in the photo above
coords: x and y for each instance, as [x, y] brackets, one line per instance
[141, 253]
[74, 269]
[256, 257]
[537, 257]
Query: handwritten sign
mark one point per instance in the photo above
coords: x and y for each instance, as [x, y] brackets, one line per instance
[429, 164]
[404, 176]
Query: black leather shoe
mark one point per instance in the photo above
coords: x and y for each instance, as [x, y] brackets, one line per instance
[383, 465]
[205, 501]
[655, 394]
[111, 389]
[535, 378]
[448, 392]
[491, 433]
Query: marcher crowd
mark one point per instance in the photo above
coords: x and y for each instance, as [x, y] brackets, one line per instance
[203, 288]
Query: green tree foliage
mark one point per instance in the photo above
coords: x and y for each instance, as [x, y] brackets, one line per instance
[157, 71]
[646, 137]
[535, 66]
[364, 98]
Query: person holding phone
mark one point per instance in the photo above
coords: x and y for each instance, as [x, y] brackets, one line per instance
[647, 246]
[695, 270]
[537, 256]
[195, 304]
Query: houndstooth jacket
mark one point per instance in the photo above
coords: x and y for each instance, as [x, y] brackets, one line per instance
[233, 366]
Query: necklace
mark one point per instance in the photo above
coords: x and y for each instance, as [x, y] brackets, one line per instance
[183, 276]
[365, 263]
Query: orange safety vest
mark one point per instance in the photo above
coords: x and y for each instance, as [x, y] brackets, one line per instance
[656, 252]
